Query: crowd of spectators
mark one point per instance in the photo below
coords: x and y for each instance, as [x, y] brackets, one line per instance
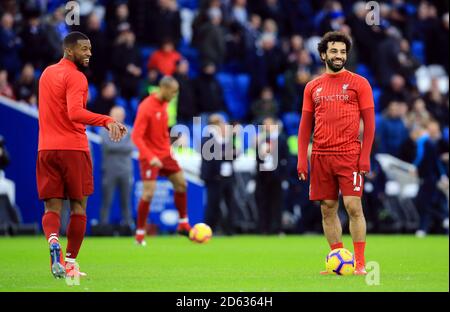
[264, 49]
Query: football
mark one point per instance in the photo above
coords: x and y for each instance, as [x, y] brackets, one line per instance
[200, 233]
[340, 262]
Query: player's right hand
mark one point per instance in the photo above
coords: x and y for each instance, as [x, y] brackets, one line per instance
[302, 177]
[155, 162]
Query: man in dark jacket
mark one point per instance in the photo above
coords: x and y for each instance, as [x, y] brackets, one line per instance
[272, 161]
[126, 59]
[187, 105]
[209, 92]
[210, 39]
[217, 173]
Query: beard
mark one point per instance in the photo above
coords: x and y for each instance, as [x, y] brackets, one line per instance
[333, 67]
[80, 65]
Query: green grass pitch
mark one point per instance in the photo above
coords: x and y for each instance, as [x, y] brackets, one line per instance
[240, 263]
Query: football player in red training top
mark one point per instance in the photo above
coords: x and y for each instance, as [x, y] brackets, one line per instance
[337, 100]
[64, 167]
[151, 136]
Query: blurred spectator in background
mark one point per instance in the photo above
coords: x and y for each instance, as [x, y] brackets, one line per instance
[126, 59]
[418, 116]
[236, 53]
[331, 18]
[366, 38]
[7, 187]
[187, 104]
[396, 91]
[295, 80]
[430, 201]
[208, 91]
[37, 49]
[98, 65]
[217, 173]
[273, 10]
[265, 106]
[252, 32]
[150, 83]
[165, 59]
[5, 87]
[266, 64]
[294, 46]
[437, 103]
[10, 46]
[166, 18]
[407, 64]
[391, 130]
[25, 88]
[118, 21]
[434, 33]
[272, 161]
[117, 171]
[56, 29]
[387, 56]
[106, 100]
[4, 155]
[238, 12]
[210, 39]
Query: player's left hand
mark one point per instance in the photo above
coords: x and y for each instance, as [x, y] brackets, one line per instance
[123, 129]
[116, 131]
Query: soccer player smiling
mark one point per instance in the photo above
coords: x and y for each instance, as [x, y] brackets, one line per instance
[337, 100]
[64, 167]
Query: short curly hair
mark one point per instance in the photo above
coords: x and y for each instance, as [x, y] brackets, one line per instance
[334, 36]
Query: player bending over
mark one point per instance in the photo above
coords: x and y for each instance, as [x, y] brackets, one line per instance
[151, 136]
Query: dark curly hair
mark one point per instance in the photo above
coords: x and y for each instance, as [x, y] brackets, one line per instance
[334, 36]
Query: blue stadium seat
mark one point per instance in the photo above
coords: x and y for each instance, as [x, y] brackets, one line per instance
[378, 119]
[280, 81]
[146, 51]
[93, 92]
[291, 122]
[120, 101]
[445, 134]
[235, 88]
[188, 4]
[363, 70]
[191, 54]
[418, 50]
[376, 98]
[134, 103]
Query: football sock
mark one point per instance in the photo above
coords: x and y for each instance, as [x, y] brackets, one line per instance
[51, 222]
[181, 204]
[143, 210]
[75, 234]
[359, 254]
[336, 245]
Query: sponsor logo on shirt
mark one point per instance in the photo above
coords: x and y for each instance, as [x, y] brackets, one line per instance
[343, 97]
